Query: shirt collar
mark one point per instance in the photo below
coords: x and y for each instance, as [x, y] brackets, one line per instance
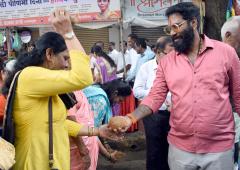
[207, 43]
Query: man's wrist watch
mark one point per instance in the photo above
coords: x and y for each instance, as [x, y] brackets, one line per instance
[69, 35]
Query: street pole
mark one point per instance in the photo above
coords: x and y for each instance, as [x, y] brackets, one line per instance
[8, 42]
[121, 38]
[122, 48]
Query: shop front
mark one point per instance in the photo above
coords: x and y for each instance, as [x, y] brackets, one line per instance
[34, 14]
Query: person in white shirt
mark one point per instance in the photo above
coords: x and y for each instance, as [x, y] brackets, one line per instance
[156, 125]
[148, 44]
[132, 56]
[145, 56]
[125, 54]
[116, 56]
[113, 53]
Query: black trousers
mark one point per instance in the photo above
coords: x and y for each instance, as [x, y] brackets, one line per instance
[156, 129]
[236, 152]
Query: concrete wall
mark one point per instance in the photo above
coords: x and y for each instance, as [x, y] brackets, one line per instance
[114, 35]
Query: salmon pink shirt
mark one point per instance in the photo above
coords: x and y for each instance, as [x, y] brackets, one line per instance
[201, 117]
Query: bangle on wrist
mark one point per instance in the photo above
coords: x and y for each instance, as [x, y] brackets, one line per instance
[88, 131]
[92, 131]
[132, 118]
[98, 132]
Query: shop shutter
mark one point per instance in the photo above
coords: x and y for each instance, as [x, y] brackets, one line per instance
[35, 34]
[88, 37]
[152, 34]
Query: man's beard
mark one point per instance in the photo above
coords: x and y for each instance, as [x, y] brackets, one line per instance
[183, 42]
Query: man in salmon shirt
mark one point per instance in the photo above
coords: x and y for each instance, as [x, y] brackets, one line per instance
[201, 74]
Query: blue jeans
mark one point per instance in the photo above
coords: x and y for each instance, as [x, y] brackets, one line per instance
[156, 130]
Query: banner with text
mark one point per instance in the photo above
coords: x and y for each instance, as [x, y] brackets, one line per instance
[37, 12]
[148, 9]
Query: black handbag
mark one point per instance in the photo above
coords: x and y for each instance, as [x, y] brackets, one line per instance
[68, 99]
[8, 123]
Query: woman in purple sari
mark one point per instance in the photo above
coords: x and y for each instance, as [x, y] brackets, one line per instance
[106, 64]
[107, 69]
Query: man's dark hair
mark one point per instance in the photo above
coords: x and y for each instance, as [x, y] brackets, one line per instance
[112, 43]
[124, 43]
[100, 44]
[162, 44]
[133, 37]
[187, 10]
[141, 42]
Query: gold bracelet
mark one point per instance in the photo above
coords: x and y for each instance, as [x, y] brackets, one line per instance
[88, 131]
[92, 130]
[98, 131]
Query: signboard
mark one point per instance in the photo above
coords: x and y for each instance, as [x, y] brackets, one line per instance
[37, 12]
[149, 9]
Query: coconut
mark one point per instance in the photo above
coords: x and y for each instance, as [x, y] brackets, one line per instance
[118, 122]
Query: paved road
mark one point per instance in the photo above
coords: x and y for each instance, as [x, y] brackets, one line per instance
[132, 161]
[134, 147]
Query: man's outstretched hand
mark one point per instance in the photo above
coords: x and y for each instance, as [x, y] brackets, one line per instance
[119, 124]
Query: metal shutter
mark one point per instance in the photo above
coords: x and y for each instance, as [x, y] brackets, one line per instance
[35, 34]
[88, 37]
[152, 34]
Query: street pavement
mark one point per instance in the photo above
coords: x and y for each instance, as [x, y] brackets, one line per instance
[134, 147]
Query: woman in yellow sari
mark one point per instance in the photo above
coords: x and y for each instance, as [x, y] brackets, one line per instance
[44, 74]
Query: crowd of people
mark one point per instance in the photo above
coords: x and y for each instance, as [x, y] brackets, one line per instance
[186, 89]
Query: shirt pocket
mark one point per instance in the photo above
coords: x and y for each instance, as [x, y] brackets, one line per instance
[213, 80]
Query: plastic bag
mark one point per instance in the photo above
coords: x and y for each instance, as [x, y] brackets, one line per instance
[17, 42]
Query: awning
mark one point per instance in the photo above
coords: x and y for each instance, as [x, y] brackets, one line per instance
[96, 25]
[144, 23]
